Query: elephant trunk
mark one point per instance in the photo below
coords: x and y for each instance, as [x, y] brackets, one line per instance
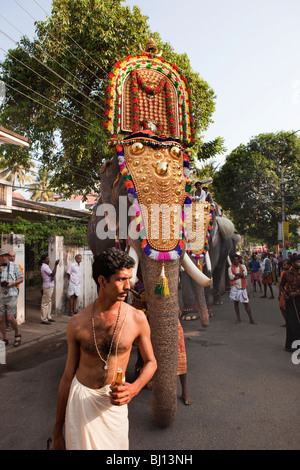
[163, 318]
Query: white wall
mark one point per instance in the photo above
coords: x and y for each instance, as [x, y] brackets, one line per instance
[66, 254]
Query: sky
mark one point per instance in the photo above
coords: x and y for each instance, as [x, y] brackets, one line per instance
[247, 51]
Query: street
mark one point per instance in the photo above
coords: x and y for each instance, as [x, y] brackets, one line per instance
[244, 386]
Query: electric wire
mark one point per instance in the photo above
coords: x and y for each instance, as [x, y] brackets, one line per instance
[20, 32]
[52, 84]
[71, 166]
[41, 104]
[48, 99]
[31, 189]
[51, 70]
[62, 66]
[72, 39]
[7, 52]
[65, 47]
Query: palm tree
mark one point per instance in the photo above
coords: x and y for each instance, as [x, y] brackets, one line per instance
[16, 173]
[208, 169]
[40, 187]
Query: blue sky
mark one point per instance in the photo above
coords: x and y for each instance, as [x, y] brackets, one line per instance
[247, 50]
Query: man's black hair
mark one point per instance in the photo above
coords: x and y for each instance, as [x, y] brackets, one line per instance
[295, 257]
[109, 261]
[43, 257]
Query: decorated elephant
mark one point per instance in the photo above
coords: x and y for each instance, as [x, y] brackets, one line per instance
[209, 251]
[144, 194]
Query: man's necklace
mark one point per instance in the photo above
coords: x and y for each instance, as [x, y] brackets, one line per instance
[112, 340]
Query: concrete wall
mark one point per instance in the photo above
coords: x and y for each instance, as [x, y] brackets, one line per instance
[66, 255]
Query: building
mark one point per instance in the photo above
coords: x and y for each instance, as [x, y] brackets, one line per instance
[10, 137]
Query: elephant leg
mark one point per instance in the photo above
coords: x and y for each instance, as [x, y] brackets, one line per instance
[163, 319]
[189, 303]
[199, 294]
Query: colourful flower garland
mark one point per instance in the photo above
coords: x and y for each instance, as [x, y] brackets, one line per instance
[148, 250]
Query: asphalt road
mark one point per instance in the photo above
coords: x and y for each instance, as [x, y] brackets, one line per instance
[244, 386]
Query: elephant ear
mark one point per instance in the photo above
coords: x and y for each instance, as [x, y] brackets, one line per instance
[226, 227]
[111, 182]
[105, 215]
[111, 188]
[95, 243]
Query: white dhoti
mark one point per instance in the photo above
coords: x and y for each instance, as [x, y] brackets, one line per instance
[92, 422]
[239, 295]
[74, 289]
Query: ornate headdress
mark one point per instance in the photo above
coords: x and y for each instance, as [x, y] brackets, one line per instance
[149, 116]
[145, 92]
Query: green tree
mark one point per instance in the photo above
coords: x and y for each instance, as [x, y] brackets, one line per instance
[64, 73]
[41, 186]
[248, 185]
[16, 170]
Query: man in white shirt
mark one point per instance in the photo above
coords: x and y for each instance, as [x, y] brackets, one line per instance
[199, 194]
[238, 291]
[74, 276]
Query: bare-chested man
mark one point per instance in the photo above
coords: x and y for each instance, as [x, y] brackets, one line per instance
[100, 339]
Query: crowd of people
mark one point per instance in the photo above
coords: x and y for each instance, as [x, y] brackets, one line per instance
[112, 271]
[266, 272]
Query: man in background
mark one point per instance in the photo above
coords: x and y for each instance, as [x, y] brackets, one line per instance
[74, 276]
[48, 287]
[10, 278]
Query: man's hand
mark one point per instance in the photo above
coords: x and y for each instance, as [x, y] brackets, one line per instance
[121, 394]
[59, 442]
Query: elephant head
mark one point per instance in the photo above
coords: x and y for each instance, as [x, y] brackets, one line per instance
[144, 189]
[155, 239]
[209, 250]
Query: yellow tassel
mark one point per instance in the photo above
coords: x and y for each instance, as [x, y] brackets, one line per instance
[199, 266]
[162, 284]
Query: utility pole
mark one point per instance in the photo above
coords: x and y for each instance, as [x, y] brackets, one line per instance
[282, 187]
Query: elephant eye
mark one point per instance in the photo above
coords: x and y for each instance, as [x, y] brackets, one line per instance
[137, 148]
[175, 152]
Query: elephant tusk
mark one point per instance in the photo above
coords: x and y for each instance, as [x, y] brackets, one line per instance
[195, 273]
[229, 260]
[208, 262]
[134, 256]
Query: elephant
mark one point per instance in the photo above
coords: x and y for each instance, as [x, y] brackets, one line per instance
[212, 259]
[158, 169]
[220, 245]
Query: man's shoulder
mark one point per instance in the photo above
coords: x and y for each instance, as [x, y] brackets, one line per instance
[137, 315]
[82, 317]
